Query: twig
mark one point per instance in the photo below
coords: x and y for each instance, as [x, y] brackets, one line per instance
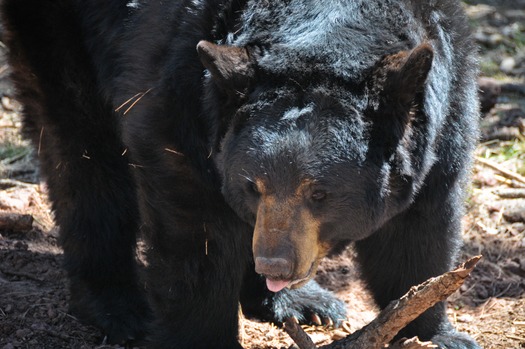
[510, 193]
[511, 336]
[3, 69]
[11, 183]
[57, 334]
[40, 141]
[128, 101]
[173, 151]
[513, 88]
[412, 343]
[294, 330]
[15, 158]
[135, 99]
[401, 312]
[505, 172]
[21, 274]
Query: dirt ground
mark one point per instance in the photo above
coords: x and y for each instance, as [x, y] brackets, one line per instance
[490, 305]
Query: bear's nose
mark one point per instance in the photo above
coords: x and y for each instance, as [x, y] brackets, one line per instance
[275, 268]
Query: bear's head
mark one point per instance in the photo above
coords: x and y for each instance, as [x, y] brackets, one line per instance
[314, 161]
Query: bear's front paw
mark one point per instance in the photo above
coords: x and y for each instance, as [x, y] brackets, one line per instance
[310, 304]
[454, 340]
[122, 314]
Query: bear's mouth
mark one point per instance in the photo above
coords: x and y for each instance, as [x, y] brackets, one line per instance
[276, 285]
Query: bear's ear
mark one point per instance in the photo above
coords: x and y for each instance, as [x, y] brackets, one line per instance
[405, 74]
[231, 67]
[396, 86]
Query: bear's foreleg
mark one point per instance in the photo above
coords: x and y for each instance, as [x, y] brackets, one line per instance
[415, 245]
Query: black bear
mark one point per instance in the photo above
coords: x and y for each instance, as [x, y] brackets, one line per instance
[246, 140]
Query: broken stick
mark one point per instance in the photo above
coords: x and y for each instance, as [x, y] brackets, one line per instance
[294, 330]
[396, 315]
[507, 173]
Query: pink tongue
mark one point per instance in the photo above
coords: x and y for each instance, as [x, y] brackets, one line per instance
[276, 285]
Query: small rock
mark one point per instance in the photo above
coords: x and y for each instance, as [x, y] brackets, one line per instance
[51, 313]
[269, 336]
[522, 263]
[514, 215]
[511, 30]
[519, 227]
[22, 333]
[495, 39]
[20, 245]
[6, 103]
[480, 11]
[38, 326]
[513, 266]
[338, 334]
[507, 64]
[8, 309]
[8, 346]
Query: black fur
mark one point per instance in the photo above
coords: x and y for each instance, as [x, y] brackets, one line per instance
[128, 122]
[90, 183]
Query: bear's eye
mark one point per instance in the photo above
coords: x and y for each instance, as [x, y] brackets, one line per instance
[318, 195]
[251, 188]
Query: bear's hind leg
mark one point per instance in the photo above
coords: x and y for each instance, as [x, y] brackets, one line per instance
[89, 181]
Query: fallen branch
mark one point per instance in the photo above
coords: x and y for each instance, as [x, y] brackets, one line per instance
[16, 222]
[396, 315]
[503, 171]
